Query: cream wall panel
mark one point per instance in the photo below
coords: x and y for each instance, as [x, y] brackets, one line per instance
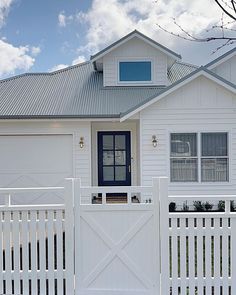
[135, 49]
[227, 69]
[200, 106]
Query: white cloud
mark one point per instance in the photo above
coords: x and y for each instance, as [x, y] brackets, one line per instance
[35, 50]
[79, 59]
[76, 61]
[58, 67]
[107, 21]
[4, 10]
[14, 58]
[63, 20]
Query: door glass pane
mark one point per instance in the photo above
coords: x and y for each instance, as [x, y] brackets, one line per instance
[214, 144]
[120, 173]
[120, 157]
[120, 142]
[108, 158]
[183, 170]
[108, 173]
[183, 145]
[108, 142]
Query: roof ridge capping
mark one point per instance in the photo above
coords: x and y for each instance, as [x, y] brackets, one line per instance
[155, 98]
[222, 58]
[44, 73]
[134, 33]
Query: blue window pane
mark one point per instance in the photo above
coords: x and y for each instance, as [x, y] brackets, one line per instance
[135, 71]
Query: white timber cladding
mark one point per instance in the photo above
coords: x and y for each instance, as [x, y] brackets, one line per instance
[131, 126]
[81, 157]
[134, 50]
[227, 69]
[200, 106]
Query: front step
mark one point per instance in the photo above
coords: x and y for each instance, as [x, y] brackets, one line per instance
[114, 199]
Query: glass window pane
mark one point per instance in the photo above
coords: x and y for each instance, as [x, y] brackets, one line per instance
[120, 158]
[214, 170]
[108, 158]
[107, 142]
[214, 144]
[120, 173]
[183, 145]
[108, 173]
[183, 170]
[120, 142]
[135, 71]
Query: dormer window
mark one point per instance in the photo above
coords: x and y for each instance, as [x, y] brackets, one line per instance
[135, 71]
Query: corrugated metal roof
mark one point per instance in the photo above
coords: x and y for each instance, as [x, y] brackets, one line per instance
[218, 59]
[180, 70]
[137, 33]
[76, 91]
[166, 90]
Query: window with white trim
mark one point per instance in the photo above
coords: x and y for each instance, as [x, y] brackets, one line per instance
[209, 164]
[135, 71]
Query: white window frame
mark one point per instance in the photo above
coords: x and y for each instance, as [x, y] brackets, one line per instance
[199, 157]
[134, 83]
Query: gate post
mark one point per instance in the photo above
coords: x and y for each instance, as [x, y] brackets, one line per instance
[69, 235]
[77, 228]
[156, 236]
[164, 234]
[233, 253]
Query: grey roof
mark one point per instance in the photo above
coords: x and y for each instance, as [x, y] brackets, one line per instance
[177, 82]
[220, 57]
[180, 70]
[74, 92]
[135, 32]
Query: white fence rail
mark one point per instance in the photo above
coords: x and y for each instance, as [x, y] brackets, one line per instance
[198, 248]
[33, 247]
[130, 248]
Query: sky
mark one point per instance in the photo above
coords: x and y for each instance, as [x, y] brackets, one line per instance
[47, 35]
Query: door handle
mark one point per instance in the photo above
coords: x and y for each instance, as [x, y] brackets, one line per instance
[129, 168]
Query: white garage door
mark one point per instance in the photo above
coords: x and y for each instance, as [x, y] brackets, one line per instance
[33, 161]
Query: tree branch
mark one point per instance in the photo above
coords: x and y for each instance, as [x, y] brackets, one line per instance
[196, 39]
[220, 31]
[233, 4]
[225, 11]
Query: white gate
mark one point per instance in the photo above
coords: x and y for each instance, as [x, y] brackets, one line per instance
[117, 245]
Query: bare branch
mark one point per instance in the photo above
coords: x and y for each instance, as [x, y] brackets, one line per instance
[233, 4]
[192, 38]
[217, 32]
[225, 11]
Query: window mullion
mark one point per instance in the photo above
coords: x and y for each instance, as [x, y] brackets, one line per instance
[199, 154]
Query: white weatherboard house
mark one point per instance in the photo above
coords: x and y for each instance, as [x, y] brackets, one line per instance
[133, 112]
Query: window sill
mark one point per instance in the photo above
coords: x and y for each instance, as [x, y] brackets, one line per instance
[227, 183]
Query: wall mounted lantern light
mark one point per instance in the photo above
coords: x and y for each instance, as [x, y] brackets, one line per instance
[154, 141]
[81, 142]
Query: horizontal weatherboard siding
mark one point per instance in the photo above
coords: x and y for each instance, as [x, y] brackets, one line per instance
[200, 106]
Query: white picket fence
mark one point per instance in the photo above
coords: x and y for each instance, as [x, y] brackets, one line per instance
[33, 250]
[114, 249]
[201, 247]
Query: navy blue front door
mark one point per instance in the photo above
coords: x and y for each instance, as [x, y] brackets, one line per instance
[114, 159]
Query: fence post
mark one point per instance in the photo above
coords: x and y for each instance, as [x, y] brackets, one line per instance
[69, 235]
[78, 262]
[156, 213]
[164, 234]
[233, 253]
